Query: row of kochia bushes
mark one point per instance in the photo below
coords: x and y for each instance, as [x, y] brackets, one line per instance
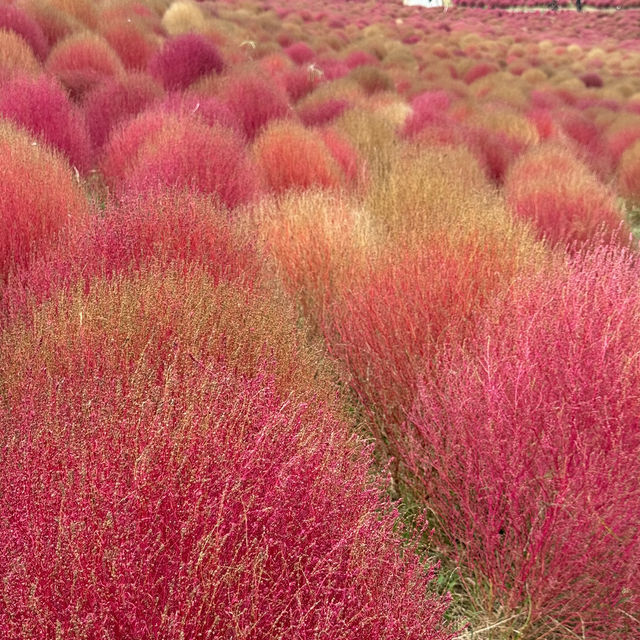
[538, 4]
[176, 456]
[228, 285]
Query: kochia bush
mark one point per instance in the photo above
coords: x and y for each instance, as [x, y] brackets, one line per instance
[42, 107]
[292, 157]
[39, 200]
[255, 101]
[526, 449]
[82, 61]
[173, 229]
[13, 18]
[134, 46]
[118, 100]
[173, 467]
[189, 154]
[391, 314]
[184, 59]
[16, 57]
[566, 203]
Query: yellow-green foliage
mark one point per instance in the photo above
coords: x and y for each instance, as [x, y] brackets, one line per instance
[182, 17]
[374, 138]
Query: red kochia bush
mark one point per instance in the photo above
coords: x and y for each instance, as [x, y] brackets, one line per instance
[300, 52]
[15, 19]
[82, 61]
[185, 59]
[210, 109]
[54, 23]
[299, 82]
[345, 155]
[428, 108]
[292, 157]
[189, 154]
[255, 101]
[565, 201]
[41, 106]
[389, 318]
[117, 100]
[320, 113]
[527, 450]
[168, 229]
[169, 472]
[39, 201]
[121, 153]
[130, 42]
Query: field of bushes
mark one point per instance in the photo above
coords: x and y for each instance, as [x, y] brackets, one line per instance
[318, 320]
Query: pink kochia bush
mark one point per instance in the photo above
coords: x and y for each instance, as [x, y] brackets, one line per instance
[185, 59]
[41, 106]
[174, 467]
[566, 203]
[256, 101]
[526, 448]
[185, 153]
[300, 52]
[118, 100]
[428, 109]
[12, 18]
[170, 229]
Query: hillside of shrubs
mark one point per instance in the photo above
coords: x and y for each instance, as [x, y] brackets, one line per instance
[318, 320]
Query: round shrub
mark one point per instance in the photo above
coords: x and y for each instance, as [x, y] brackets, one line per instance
[175, 467]
[565, 202]
[292, 157]
[255, 101]
[42, 107]
[13, 18]
[174, 229]
[187, 153]
[82, 61]
[525, 449]
[300, 53]
[16, 57]
[132, 44]
[39, 200]
[209, 109]
[121, 152]
[629, 174]
[117, 100]
[185, 59]
[318, 113]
